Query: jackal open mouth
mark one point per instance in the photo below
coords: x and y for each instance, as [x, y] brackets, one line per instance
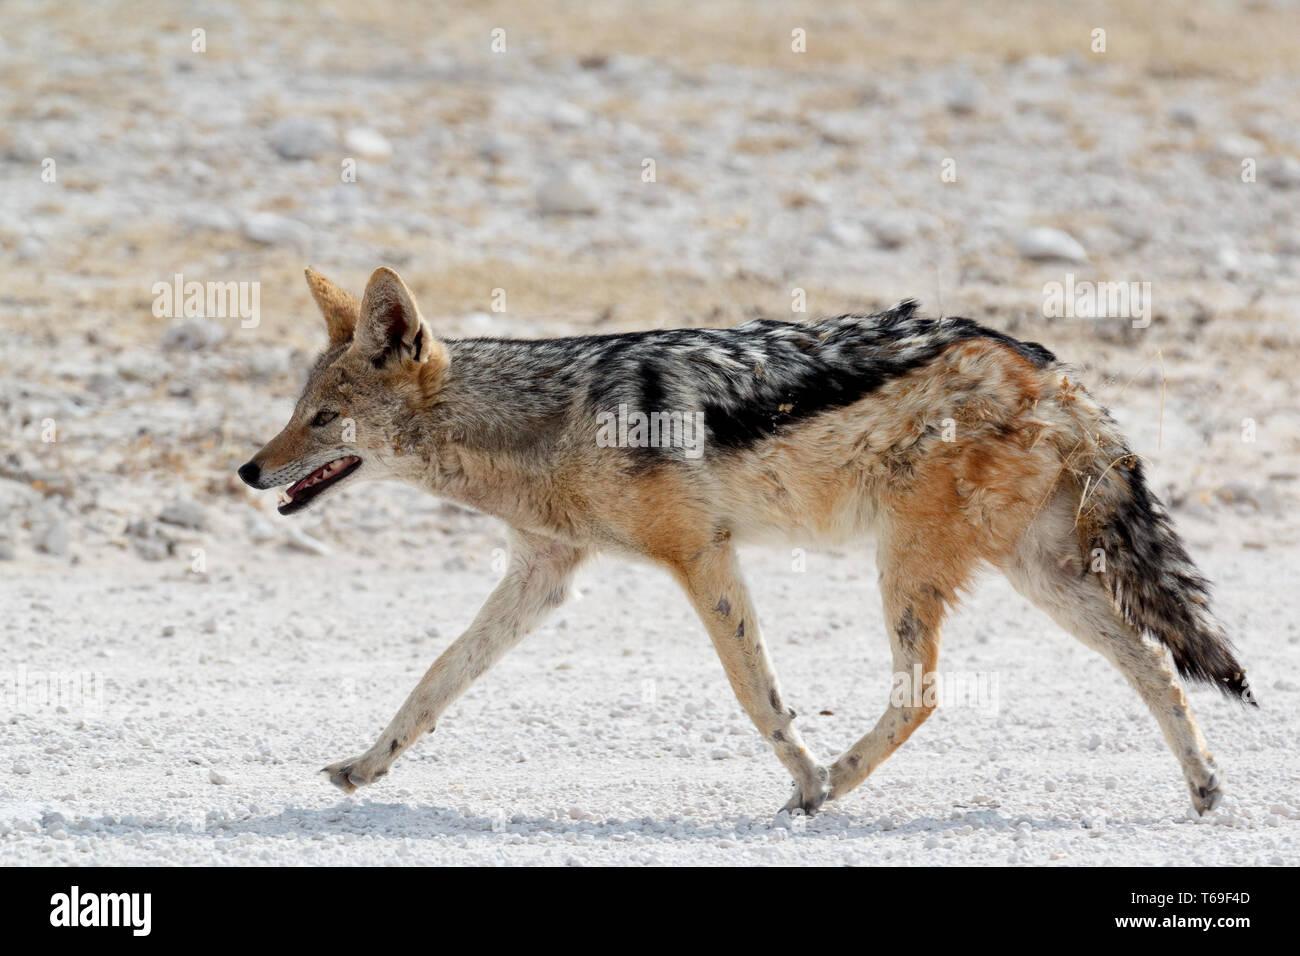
[296, 496]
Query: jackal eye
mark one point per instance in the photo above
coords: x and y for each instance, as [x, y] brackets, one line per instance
[323, 417]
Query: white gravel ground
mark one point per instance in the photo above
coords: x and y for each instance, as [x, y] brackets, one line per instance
[609, 736]
[128, 158]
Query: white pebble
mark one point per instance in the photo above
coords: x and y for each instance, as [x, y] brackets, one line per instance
[301, 137]
[368, 142]
[566, 194]
[1043, 243]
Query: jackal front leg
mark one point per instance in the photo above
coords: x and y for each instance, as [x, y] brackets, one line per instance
[713, 582]
[536, 582]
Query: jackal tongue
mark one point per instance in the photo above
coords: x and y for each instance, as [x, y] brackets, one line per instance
[324, 473]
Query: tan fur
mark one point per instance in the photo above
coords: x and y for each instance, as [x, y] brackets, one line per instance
[339, 308]
[1000, 493]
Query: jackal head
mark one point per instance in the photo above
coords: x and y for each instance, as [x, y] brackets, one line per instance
[358, 414]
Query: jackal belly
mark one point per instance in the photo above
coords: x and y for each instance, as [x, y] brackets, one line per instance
[820, 483]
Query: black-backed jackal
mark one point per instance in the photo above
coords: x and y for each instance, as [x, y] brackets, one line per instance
[953, 445]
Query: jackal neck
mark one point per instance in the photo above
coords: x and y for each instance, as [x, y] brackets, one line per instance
[504, 398]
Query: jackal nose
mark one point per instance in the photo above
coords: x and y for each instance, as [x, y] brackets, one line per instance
[250, 473]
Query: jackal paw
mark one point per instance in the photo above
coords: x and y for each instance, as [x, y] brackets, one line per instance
[348, 775]
[1206, 796]
[809, 802]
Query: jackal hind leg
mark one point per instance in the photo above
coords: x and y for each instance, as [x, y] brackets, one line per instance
[714, 585]
[1047, 568]
[915, 589]
[535, 583]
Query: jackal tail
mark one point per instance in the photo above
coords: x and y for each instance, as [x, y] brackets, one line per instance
[1143, 564]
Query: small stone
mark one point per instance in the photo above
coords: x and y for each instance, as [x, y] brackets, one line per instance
[1288, 242]
[1043, 243]
[30, 249]
[106, 385]
[193, 335]
[1239, 147]
[1044, 66]
[368, 142]
[215, 218]
[302, 137]
[272, 229]
[498, 148]
[566, 116]
[844, 233]
[51, 537]
[301, 541]
[566, 194]
[151, 549]
[892, 231]
[184, 514]
[149, 539]
[218, 778]
[962, 99]
[260, 530]
[1283, 173]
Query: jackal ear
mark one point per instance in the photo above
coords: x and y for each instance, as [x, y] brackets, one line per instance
[390, 324]
[339, 308]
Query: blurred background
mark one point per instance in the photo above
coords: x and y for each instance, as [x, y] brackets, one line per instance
[538, 169]
[543, 169]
